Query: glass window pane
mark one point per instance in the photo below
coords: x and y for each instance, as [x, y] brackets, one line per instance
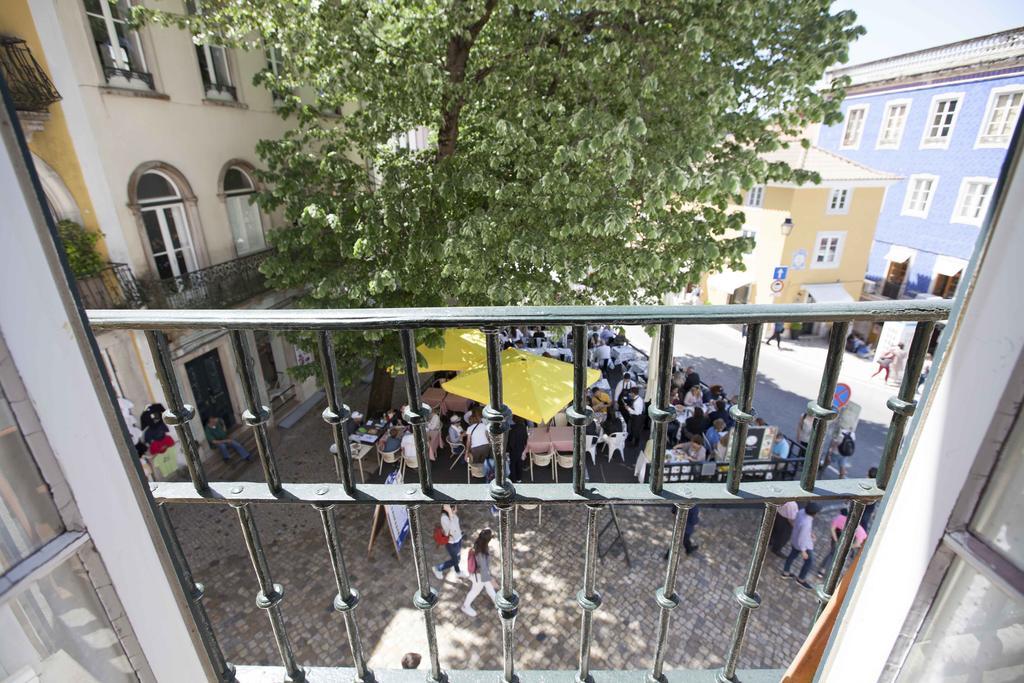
[235, 180]
[153, 186]
[170, 216]
[220, 65]
[156, 238]
[998, 517]
[28, 517]
[163, 267]
[974, 632]
[57, 631]
[246, 226]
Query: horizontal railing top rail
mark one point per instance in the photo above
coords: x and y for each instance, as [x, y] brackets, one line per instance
[490, 316]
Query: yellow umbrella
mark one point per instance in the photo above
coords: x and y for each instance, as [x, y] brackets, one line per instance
[534, 387]
[462, 350]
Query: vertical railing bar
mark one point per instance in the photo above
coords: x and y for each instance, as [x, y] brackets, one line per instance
[588, 598]
[195, 591]
[666, 596]
[255, 415]
[659, 409]
[827, 589]
[425, 597]
[497, 415]
[903, 404]
[743, 413]
[178, 413]
[348, 597]
[822, 409]
[336, 414]
[415, 412]
[747, 596]
[271, 594]
[579, 414]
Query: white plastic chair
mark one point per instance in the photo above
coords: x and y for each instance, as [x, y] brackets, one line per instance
[389, 457]
[592, 448]
[543, 460]
[563, 461]
[617, 443]
[561, 420]
[474, 469]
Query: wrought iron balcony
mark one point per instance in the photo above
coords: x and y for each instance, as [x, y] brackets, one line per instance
[588, 499]
[220, 286]
[221, 89]
[113, 287]
[112, 72]
[31, 89]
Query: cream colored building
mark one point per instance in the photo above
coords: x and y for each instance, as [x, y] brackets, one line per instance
[812, 242]
[164, 132]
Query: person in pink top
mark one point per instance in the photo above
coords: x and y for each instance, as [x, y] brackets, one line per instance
[835, 529]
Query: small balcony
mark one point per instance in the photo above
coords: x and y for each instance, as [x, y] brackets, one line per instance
[219, 286]
[113, 287]
[31, 89]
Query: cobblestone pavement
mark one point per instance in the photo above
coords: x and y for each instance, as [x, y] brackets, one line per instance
[548, 570]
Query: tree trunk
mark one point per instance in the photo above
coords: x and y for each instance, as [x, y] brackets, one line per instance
[381, 392]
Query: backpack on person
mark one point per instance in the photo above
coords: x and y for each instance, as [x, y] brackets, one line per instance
[847, 445]
[471, 562]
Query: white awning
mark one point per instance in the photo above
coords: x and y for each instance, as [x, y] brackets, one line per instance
[898, 254]
[949, 266]
[832, 293]
[731, 280]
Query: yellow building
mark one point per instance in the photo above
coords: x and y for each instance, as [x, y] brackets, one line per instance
[812, 241]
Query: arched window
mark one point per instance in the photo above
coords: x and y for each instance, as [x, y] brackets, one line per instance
[243, 213]
[163, 216]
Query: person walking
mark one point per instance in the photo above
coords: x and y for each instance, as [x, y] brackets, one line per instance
[869, 511]
[777, 331]
[517, 438]
[217, 435]
[885, 363]
[835, 529]
[802, 545]
[453, 534]
[479, 571]
[782, 530]
[692, 520]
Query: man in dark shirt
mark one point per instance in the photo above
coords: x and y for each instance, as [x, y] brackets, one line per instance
[692, 380]
[696, 424]
[722, 413]
[217, 435]
[517, 436]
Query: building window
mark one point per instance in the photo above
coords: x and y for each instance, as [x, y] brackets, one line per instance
[938, 128]
[839, 200]
[166, 226]
[213, 66]
[243, 213]
[972, 202]
[1004, 105]
[920, 190]
[893, 123]
[855, 117]
[119, 46]
[755, 197]
[828, 249]
[275, 65]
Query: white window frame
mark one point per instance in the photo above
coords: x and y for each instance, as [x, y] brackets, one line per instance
[210, 84]
[962, 195]
[880, 143]
[846, 126]
[758, 192]
[928, 142]
[115, 55]
[992, 96]
[248, 198]
[847, 197]
[840, 237]
[911, 181]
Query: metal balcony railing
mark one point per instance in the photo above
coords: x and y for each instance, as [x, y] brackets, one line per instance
[221, 88]
[113, 287]
[31, 88]
[590, 497]
[112, 72]
[225, 284]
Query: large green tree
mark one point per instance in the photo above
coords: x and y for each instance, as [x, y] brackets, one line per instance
[580, 151]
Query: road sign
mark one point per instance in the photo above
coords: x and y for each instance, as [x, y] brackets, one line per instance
[780, 273]
[841, 397]
[777, 286]
[799, 259]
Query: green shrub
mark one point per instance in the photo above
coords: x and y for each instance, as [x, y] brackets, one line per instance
[80, 246]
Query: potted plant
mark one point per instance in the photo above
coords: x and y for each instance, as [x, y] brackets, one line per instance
[794, 330]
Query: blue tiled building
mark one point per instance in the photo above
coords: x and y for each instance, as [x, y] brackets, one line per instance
[942, 119]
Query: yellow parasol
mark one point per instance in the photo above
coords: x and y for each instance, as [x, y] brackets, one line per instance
[533, 387]
[462, 350]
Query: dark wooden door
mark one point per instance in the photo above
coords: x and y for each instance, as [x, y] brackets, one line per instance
[210, 389]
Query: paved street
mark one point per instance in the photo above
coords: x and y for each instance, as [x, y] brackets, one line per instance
[786, 380]
[548, 558]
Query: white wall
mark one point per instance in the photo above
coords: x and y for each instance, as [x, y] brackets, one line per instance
[965, 390]
[46, 340]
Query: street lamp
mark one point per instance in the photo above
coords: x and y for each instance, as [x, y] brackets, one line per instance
[787, 226]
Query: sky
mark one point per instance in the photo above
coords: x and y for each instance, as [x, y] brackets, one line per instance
[898, 26]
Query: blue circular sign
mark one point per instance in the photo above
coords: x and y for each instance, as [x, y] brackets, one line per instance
[841, 397]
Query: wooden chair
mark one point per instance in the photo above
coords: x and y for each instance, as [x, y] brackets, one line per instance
[359, 452]
[389, 457]
[543, 460]
[564, 461]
